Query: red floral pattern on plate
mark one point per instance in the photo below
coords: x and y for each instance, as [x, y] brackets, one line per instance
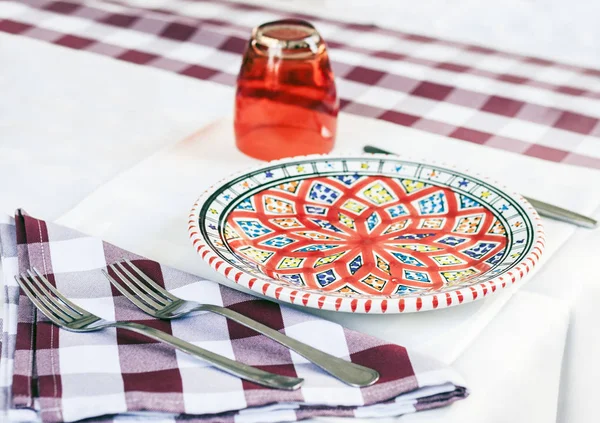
[372, 235]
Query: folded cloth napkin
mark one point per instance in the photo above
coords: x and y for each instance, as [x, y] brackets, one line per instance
[56, 375]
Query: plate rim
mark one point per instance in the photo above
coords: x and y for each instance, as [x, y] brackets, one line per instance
[323, 301]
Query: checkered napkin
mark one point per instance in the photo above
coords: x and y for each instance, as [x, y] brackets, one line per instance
[67, 376]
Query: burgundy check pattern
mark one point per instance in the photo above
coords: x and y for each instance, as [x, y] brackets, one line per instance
[70, 376]
[526, 105]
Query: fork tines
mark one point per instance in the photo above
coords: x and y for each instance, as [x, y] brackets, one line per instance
[46, 297]
[140, 289]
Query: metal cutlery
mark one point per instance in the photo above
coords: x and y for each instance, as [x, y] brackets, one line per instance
[544, 209]
[158, 302]
[69, 316]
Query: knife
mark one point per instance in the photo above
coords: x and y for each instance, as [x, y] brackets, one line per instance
[544, 209]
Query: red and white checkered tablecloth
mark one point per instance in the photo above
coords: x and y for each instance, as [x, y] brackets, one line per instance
[526, 105]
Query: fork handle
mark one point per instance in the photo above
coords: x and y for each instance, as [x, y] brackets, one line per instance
[230, 366]
[351, 373]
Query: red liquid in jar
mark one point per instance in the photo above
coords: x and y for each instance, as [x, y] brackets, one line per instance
[286, 102]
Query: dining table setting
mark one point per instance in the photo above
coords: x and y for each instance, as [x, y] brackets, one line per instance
[244, 212]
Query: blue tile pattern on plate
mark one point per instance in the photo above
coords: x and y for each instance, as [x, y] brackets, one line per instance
[315, 210]
[316, 247]
[355, 264]
[495, 259]
[278, 241]
[372, 221]
[451, 240]
[246, 205]
[403, 258]
[325, 278]
[326, 225]
[348, 179]
[397, 211]
[253, 228]
[416, 276]
[414, 236]
[324, 193]
[434, 204]
[468, 203]
[480, 249]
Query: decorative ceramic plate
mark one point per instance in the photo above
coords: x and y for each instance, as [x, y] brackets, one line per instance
[366, 234]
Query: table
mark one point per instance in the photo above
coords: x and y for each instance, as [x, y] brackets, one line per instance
[102, 144]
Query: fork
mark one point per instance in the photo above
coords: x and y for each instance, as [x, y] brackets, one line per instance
[158, 302]
[64, 313]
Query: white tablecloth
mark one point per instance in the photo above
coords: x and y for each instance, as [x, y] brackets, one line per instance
[122, 151]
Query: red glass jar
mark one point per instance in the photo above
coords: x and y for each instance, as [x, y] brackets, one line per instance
[286, 103]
